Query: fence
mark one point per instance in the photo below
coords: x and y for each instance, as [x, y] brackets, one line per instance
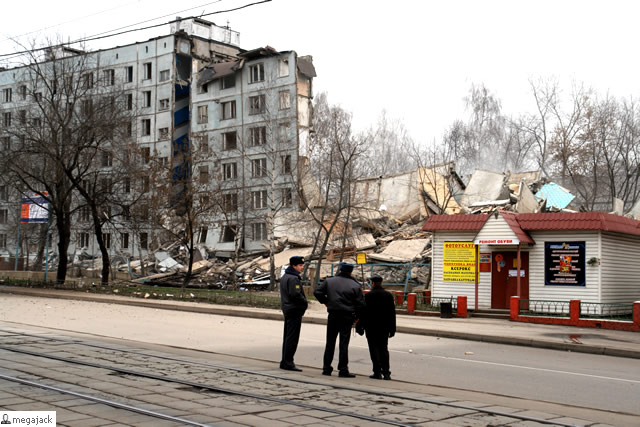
[577, 313]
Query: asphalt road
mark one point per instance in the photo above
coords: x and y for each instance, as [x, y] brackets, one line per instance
[583, 380]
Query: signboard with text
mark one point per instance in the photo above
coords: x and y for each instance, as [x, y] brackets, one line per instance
[564, 263]
[34, 209]
[459, 262]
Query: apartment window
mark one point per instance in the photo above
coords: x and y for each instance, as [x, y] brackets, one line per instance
[229, 140]
[146, 127]
[203, 234]
[87, 81]
[85, 213]
[83, 240]
[286, 197]
[228, 81]
[109, 77]
[6, 143]
[144, 240]
[6, 95]
[164, 104]
[256, 104]
[128, 129]
[124, 240]
[146, 68]
[106, 184]
[129, 101]
[228, 233]
[4, 194]
[283, 68]
[230, 202]
[256, 73]
[126, 213]
[129, 74]
[229, 110]
[6, 119]
[126, 185]
[36, 122]
[203, 114]
[259, 199]
[4, 216]
[257, 136]
[22, 91]
[258, 167]
[146, 154]
[285, 100]
[146, 98]
[86, 107]
[259, 231]
[3, 241]
[203, 172]
[229, 171]
[204, 88]
[164, 75]
[163, 133]
[22, 117]
[106, 239]
[145, 184]
[285, 162]
[107, 159]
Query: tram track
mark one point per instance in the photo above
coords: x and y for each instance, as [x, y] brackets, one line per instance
[317, 387]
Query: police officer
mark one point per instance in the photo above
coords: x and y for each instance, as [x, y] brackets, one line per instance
[343, 297]
[294, 304]
[379, 323]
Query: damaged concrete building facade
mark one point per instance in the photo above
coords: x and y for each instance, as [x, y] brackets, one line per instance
[234, 120]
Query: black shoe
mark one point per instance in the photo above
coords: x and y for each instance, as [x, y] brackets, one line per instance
[387, 377]
[290, 368]
[346, 374]
[327, 373]
[375, 376]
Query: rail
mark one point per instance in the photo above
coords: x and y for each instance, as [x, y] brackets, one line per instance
[610, 311]
[544, 308]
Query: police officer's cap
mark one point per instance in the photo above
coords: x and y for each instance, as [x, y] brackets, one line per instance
[376, 279]
[345, 267]
[296, 260]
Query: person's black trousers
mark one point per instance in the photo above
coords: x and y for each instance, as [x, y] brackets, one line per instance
[379, 352]
[338, 324]
[291, 336]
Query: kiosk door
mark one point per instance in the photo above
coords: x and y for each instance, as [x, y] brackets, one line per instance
[504, 280]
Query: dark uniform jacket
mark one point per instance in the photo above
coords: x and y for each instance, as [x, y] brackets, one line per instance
[341, 294]
[380, 313]
[292, 297]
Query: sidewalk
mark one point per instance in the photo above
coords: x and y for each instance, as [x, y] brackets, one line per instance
[567, 338]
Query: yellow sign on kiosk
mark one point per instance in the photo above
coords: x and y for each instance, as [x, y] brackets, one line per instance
[459, 262]
[361, 258]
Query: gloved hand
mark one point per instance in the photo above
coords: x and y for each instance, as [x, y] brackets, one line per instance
[391, 334]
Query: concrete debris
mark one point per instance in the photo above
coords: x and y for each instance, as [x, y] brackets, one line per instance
[402, 251]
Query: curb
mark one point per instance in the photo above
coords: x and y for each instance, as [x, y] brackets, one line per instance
[244, 312]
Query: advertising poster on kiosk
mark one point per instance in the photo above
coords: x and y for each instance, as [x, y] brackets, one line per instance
[564, 263]
[459, 262]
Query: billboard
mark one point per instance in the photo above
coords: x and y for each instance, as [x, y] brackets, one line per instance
[459, 262]
[564, 263]
[34, 209]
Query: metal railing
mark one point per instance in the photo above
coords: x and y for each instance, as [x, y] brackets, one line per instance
[611, 311]
[425, 303]
[547, 308]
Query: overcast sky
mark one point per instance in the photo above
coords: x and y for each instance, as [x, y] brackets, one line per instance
[416, 59]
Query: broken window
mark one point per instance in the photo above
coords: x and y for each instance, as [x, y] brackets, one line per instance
[285, 100]
[164, 75]
[286, 196]
[228, 233]
[229, 171]
[259, 199]
[6, 95]
[128, 74]
[143, 240]
[259, 231]
[229, 110]
[228, 81]
[230, 202]
[164, 104]
[3, 241]
[147, 70]
[259, 167]
[283, 67]
[257, 136]
[203, 234]
[163, 133]
[256, 73]
[204, 174]
[109, 77]
[229, 140]
[256, 104]
[124, 240]
[146, 98]
[286, 164]
[203, 114]
[146, 127]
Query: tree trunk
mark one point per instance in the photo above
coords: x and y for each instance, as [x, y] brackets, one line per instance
[63, 224]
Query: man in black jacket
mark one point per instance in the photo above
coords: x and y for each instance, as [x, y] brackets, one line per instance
[294, 304]
[379, 323]
[343, 297]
